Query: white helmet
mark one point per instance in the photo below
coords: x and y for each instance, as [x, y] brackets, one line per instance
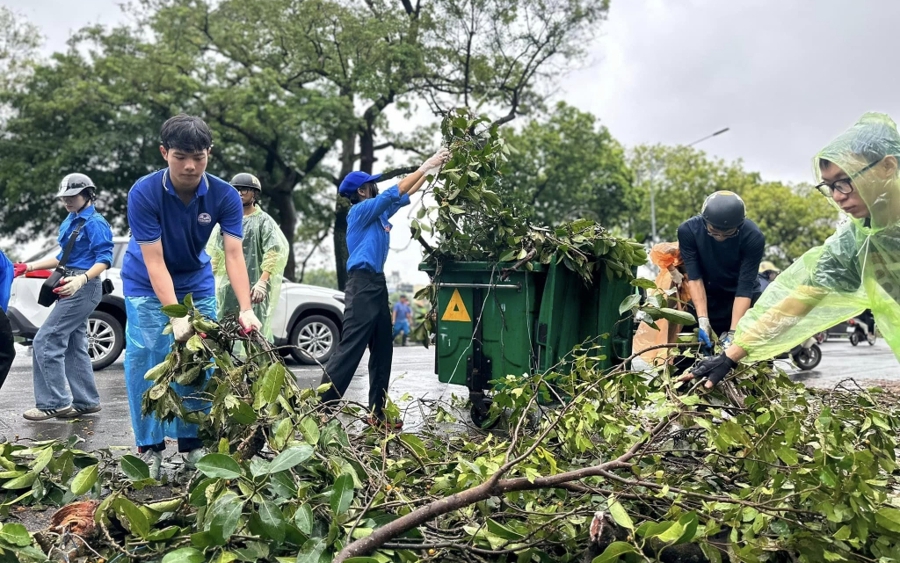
[74, 184]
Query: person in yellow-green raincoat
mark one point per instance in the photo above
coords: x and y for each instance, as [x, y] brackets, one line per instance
[265, 252]
[857, 268]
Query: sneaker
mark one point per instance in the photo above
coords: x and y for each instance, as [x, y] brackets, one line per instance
[192, 457]
[382, 424]
[46, 414]
[153, 459]
[79, 411]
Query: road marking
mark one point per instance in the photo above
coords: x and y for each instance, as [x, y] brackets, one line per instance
[456, 309]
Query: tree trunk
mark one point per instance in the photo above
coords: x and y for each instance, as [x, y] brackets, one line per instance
[283, 200]
[341, 207]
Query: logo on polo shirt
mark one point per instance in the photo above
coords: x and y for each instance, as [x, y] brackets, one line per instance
[204, 219]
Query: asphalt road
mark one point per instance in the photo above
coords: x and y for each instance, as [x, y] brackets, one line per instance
[413, 378]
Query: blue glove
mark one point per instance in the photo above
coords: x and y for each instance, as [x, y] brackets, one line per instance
[704, 338]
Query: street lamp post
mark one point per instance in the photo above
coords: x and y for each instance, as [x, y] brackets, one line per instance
[653, 181]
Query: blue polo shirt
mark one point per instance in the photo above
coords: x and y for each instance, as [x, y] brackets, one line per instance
[94, 244]
[369, 231]
[156, 213]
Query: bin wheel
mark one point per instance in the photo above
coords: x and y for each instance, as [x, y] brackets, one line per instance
[481, 416]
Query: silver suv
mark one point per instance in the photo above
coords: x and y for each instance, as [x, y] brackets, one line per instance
[307, 323]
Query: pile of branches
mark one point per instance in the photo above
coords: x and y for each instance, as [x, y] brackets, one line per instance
[590, 465]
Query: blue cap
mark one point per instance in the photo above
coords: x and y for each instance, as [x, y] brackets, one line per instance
[354, 180]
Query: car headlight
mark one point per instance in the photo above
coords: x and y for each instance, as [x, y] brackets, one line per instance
[339, 297]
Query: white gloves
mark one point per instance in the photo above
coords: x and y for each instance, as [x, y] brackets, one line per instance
[68, 286]
[182, 328]
[431, 165]
[677, 276]
[259, 291]
[249, 322]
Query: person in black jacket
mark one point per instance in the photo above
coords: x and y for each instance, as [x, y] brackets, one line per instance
[721, 250]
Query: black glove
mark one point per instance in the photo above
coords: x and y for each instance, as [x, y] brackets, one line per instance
[714, 369]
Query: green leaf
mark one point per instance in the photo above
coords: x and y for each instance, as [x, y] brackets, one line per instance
[843, 534]
[134, 468]
[311, 551]
[15, 534]
[174, 311]
[677, 317]
[508, 256]
[342, 494]
[85, 479]
[643, 283]
[137, 521]
[25, 481]
[674, 532]
[310, 430]
[223, 517]
[220, 466]
[291, 457]
[41, 461]
[787, 455]
[271, 385]
[303, 519]
[888, 518]
[164, 534]
[617, 511]
[272, 520]
[629, 303]
[614, 551]
[184, 555]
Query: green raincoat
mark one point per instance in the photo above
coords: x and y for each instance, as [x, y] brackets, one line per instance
[857, 268]
[265, 250]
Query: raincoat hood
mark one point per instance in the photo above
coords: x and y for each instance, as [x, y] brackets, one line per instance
[867, 153]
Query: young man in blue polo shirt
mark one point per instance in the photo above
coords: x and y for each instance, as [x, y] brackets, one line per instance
[171, 214]
[367, 312]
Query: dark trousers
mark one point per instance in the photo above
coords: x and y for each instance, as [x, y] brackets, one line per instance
[367, 323]
[7, 347]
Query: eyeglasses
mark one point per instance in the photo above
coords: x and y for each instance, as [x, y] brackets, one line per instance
[69, 198]
[716, 233]
[844, 185]
[243, 190]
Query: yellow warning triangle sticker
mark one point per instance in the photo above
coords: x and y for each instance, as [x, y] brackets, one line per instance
[456, 309]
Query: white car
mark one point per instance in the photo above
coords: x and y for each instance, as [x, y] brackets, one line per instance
[308, 319]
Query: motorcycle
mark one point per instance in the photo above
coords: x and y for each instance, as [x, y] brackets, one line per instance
[806, 356]
[858, 331]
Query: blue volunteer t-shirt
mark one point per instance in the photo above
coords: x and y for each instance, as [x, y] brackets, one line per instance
[156, 213]
[369, 231]
[94, 243]
[402, 311]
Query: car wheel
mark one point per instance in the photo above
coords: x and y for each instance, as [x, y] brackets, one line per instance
[314, 339]
[106, 339]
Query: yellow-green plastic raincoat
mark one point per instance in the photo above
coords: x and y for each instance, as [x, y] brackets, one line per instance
[857, 268]
[265, 250]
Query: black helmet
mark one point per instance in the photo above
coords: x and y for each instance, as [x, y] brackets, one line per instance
[245, 180]
[74, 184]
[724, 210]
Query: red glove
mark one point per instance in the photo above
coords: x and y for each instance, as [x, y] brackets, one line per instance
[19, 268]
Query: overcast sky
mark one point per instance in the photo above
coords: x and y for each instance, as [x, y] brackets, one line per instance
[785, 76]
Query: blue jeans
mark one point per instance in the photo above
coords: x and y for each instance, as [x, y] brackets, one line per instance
[145, 347]
[61, 352]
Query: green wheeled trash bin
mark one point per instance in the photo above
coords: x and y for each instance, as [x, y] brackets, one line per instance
[493, 322]
[485, 322]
